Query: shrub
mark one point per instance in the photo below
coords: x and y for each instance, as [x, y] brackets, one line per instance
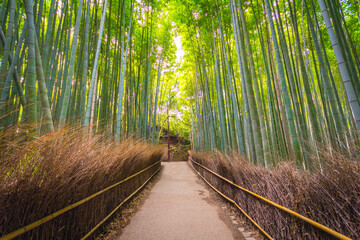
[46, 174]
[330, 196]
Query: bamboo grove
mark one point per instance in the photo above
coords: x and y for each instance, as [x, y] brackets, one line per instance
[274, 79]
[271, 79]
[94, 63]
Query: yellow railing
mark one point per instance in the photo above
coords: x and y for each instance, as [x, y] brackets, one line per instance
[33, 225]
[295, 214]
[233, 202]
[125, 200]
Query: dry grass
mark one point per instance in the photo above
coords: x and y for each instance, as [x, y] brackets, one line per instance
[46, 174]
[330, 197]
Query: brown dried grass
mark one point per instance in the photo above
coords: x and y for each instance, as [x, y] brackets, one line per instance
[330, 196]
[46, 174]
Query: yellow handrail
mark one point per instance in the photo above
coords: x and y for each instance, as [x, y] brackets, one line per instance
[126, 199]
[33, 225]
[233, 202]
[295, 214]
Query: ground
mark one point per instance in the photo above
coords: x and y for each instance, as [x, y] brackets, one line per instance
[180, 206]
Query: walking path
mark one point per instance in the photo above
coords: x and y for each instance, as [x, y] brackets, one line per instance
[180, 207]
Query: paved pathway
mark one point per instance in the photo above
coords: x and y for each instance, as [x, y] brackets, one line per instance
[180, 207]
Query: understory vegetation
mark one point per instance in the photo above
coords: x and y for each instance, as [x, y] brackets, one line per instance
[330, 195]
[44, 175]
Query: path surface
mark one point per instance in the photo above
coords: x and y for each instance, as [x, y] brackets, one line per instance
[179, 207]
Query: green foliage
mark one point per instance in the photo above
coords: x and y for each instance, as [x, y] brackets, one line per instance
[229, 87]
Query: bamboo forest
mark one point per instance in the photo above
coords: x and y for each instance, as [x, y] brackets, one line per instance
[260, 98]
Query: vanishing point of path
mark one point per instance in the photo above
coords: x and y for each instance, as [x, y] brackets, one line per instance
[180, 207]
